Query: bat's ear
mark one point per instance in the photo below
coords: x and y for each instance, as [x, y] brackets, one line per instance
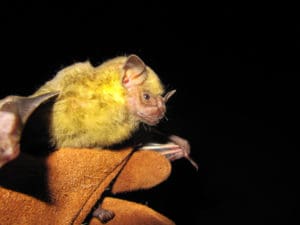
[26, 105]
[134, 71]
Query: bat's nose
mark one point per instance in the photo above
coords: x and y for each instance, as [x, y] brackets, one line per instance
[161, 106]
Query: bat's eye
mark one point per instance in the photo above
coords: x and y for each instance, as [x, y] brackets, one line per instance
[146, 96]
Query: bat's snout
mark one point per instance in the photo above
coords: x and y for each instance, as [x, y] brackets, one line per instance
[160, 109]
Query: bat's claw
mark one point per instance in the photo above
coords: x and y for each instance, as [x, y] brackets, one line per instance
[182, 143]
[178, 148]
[185, 147]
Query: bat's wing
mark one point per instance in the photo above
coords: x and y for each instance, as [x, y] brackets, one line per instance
[14, 112]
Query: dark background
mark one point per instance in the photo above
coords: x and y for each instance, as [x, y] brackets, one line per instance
[235, 68]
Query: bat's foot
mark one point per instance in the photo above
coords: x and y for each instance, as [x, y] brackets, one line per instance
[103, 215]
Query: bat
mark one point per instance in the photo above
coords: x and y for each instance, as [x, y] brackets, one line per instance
[101, 106]
[92, 107]
[94, 101]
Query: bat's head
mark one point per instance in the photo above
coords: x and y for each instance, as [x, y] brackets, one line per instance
[144, 91]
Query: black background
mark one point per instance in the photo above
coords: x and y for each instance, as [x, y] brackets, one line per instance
[235, 68]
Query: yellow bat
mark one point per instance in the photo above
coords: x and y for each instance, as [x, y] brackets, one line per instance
[101, 106]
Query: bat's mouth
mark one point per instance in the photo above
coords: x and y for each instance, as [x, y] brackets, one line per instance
[151, 120]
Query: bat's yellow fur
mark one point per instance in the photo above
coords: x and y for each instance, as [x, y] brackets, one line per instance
[91, 109]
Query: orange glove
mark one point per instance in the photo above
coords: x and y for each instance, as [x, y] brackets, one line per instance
[64, 187]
